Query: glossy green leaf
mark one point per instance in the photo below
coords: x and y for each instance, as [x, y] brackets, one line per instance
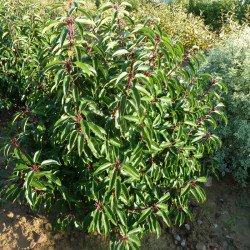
[84, 67]
[164, 197]
[28, 179]
[130, 170]
[110, 214]
[121, 77]
[120, 52]
[66, 85]
[144, 215]
[49, 162]
[118, 188]
[136, 97]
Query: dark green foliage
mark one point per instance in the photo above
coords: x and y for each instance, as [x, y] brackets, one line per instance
[214, 12]
[20, 38]
[114, 133]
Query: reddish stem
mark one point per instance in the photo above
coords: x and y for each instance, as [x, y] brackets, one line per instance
[131, 74]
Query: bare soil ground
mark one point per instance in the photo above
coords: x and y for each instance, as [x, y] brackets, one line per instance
[222, 222]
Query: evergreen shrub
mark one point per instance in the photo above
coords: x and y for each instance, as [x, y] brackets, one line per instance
[230, 64]
[114, 133]
[20, 39]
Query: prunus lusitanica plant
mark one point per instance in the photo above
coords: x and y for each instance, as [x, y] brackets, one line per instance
[114, 134]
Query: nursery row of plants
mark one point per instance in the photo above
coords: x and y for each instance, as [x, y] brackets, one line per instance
[114, 124]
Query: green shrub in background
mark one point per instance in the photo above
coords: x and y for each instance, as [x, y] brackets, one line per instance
[229, 27]
[113, 129]
[176, 23]
[20, 37]
[188, 28]
[230, 64]
[214, 12]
